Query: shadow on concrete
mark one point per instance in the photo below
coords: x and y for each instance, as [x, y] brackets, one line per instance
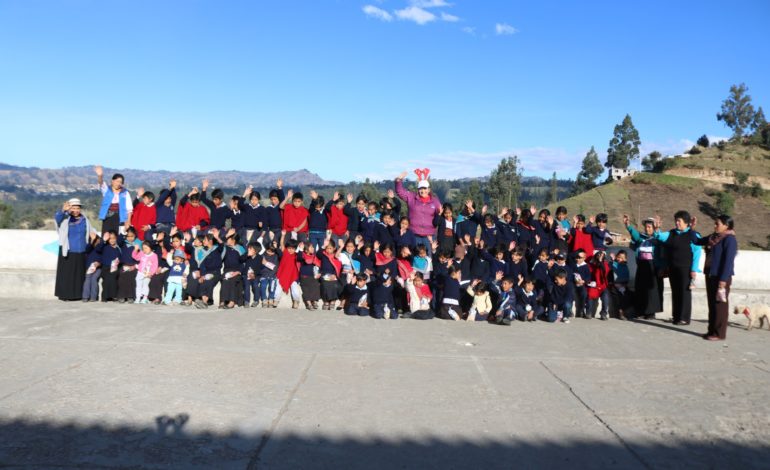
[667, 326]
[31, 444]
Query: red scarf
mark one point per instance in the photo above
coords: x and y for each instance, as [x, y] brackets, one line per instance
[381, 260]
[335, 262]
[311, 259]
[425, 199]
[288, 272]
[404, 268]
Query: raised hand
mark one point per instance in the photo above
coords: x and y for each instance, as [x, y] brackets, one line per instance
[313, 194]
[518, 211]
[247, 191]
[376, 245]
[694, 222]
[99, 170]
[173, 231]
[336, 196]
[657, 222]
[279, 183]
[193, 191]
[172, 183]
[591, 220]
[231, 232]
[65, 207]
[574, 220]
[626, 220]
[205, 184]
[498, 275]
[349, 197]
[532, 209]
[402, 175]
[469, 205]
[139, 191]
[484, 209]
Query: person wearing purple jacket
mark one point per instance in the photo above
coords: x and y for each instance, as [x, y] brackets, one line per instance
[423, 207]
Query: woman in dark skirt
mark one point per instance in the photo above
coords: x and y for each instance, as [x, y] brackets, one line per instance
[721, 248]
[647, 284]
[74, 231]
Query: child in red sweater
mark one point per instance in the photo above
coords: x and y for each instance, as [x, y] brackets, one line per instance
[294, 218]
[144, 215]
[597, 288]
[191, 213]
[579, 239]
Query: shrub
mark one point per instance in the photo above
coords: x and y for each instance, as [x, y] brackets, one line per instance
[756, 190]
[741, 178]
[695, 150]
[725, 202]
[703, 141]
[721, 145]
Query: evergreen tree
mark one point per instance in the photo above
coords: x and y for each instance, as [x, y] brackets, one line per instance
[650, 161]
[589, 171]
[504, 185]
[759, 120]
[737, 111]
[624, 145]
[553, 193]
[703, 141]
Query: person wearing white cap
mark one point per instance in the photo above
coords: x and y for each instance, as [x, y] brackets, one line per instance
[423, 207]
[75, 231]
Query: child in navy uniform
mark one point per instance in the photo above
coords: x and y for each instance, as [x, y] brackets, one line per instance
[93, 269]
[358, 297]
[110, 263]
[219, 211]
[600, 236]
[527, 306]
[506, 311]
[582, 276]
[253, 215]
[273, 221]
[252, 266]
[127, 273]
[450, 303]
[382, 297]
[165, 215]
[558, 298]
[268, 275]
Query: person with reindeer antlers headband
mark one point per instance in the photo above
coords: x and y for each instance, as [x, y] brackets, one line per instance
[423, 207]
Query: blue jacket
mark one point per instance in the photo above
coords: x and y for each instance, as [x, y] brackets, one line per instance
[164, 214]
[122, 205]
[720, 262]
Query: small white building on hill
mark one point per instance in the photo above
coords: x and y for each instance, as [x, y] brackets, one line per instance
[617, 174]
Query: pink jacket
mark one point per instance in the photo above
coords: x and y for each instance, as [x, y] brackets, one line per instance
[421, 213]
[147, 263]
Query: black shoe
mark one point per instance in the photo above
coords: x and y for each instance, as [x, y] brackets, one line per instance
[406, 315]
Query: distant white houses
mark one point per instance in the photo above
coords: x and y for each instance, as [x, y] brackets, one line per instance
[617, 174]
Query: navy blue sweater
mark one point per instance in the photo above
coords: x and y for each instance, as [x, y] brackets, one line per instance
[317, 221]
[253, 217]
[383, 294]
[213, 262]
[218, 215]
[165, 214]
[451, 289]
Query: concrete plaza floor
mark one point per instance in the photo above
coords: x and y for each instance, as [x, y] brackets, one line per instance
[125, 386]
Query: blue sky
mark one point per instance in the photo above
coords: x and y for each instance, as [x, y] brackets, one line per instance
[350, 89]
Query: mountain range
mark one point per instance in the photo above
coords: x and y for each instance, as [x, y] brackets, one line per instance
[83, 178]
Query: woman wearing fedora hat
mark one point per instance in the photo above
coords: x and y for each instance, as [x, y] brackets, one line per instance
[75, 231]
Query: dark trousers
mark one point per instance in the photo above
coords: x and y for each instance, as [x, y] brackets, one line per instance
[357, 310]
[111, 223]
[251, 287]
[719, 312]
[681, 295]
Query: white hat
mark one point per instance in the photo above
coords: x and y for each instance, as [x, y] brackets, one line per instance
[423, 184]
[74, 202]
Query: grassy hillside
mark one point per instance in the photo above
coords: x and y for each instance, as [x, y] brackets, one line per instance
[721, 164]
[649, 194]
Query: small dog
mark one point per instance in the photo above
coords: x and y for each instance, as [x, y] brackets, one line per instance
[757, 312]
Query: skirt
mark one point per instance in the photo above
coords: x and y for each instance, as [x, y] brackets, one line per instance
[193, 288]
[330, 290]
[646, 290]
[157, 282]
[311, 289]
[70, 276]
[231, 290]
[109, 285]
[126, 284]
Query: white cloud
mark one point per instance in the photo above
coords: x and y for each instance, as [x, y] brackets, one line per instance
[469, 30]
[429, 3]
[535, 161]
[449, 18]
[503, 29]
[416, 14]
[379, 13]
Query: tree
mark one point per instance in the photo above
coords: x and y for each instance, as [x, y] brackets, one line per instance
[624, 145]
[553, 192]
[6, 215]
[759, 120]
[651, 160]
[474, 193]
[737, 111]
[703, 141]
[370, 191]
[589, 171]
[504, 186]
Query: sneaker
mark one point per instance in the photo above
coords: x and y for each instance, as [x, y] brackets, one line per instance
[456, 317]
[137, 301]
[565, 320]
[506, 321]
[201, 304]
[145, 301]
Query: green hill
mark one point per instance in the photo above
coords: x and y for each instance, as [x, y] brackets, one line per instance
[691, 183]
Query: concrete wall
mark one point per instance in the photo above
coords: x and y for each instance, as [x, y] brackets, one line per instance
[28, 266]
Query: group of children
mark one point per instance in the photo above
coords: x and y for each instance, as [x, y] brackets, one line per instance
[359, 256]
